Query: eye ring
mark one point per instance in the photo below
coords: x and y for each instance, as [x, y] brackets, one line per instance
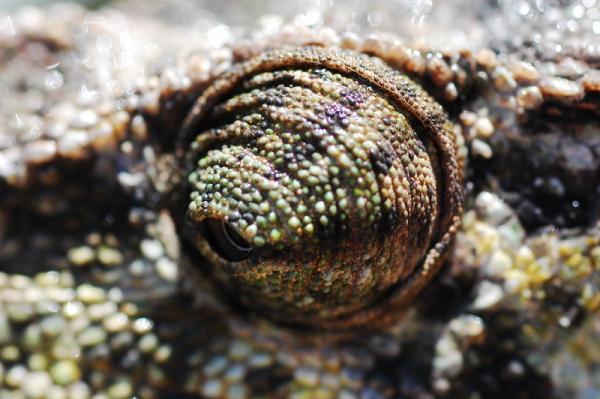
[225, 240]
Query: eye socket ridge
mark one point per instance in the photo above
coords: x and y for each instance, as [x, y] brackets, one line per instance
[225, 240]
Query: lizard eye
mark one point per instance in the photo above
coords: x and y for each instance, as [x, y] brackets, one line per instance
[325, 187]
[226, 241]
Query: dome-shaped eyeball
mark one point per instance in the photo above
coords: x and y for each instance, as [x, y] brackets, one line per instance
[225, 240]
[327, 187]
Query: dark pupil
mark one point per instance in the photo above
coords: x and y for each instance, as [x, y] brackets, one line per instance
[226, 241]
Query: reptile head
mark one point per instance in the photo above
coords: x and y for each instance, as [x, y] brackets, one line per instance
[325, 187]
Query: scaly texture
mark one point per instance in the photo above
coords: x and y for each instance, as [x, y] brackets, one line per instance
[304, 160]
[102, 295]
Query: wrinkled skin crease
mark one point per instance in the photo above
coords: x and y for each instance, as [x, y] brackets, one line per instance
[102, 293]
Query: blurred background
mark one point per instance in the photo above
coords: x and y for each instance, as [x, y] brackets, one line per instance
[434, 19]
[7, 5]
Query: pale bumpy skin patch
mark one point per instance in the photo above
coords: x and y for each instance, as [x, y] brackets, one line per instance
[334, 149]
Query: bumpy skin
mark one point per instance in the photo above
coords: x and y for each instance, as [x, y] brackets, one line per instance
[105, 294]
[318, 147]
